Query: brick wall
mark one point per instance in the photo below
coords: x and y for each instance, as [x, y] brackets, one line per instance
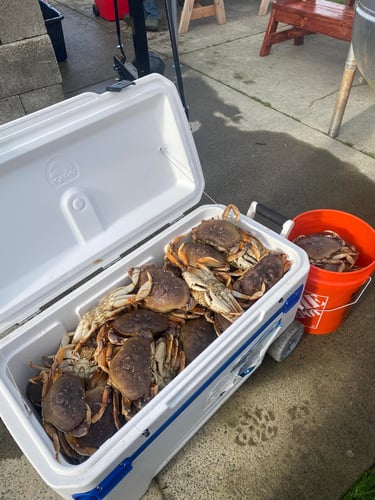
[30, 77]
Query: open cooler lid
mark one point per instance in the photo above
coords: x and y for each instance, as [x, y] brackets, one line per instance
[83, 181]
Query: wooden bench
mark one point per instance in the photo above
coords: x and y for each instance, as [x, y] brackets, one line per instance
[306, 17]
[192, 9]
[263, 7]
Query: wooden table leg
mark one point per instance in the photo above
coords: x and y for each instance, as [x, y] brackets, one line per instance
[343, 95]
[263, 7]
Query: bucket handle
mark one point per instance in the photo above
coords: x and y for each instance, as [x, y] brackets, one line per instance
[364, 286]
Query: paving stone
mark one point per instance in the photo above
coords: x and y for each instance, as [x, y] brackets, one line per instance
[41, 98]
[10, 109]
[20, 19]
[28, 65]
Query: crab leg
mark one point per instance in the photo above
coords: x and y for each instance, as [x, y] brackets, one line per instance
[109, 306]
[231, 208]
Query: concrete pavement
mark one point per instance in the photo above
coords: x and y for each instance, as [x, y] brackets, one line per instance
[302, 429]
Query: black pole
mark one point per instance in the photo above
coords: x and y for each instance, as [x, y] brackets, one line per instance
[117, 20]
[176, 58]
[139, 37]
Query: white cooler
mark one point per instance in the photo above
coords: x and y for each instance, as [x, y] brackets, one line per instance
[83, 186]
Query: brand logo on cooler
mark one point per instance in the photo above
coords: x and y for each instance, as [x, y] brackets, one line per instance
[311, 308]
[60, 171]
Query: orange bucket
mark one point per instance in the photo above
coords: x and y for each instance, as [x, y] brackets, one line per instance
[329, 295]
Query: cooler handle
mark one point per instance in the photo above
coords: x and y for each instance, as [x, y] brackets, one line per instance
[266, 212]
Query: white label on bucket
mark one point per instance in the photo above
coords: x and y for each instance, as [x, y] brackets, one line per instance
[311, 308]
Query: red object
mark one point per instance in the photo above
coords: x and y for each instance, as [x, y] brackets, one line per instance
[106, 9]
[328, 295]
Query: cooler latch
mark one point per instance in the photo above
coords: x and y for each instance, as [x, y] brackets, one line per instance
[292, 300]
[118, 86]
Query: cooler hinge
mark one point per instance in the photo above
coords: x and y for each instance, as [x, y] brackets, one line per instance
[52, 301]
[176, 220]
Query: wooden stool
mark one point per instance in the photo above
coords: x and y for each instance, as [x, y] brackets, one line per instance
[306, 17]
[192, 9]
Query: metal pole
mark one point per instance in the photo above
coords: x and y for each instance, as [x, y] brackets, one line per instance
[343, 95]
[174, 18]
[176, 58]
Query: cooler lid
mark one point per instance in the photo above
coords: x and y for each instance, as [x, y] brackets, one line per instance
[83, 181]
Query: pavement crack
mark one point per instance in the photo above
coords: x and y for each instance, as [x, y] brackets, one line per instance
[213, 45]
[322, 98]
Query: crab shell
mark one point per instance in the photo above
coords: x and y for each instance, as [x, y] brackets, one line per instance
[263, 276]
[320, 246]
[64, 406]
[140, 320]
[109, 307]
[81, 363]
[130, 369]
[196, 335]
[168, 291]
[99, 431]
[211, 293]
[220, 323]
[328, 251]
[220, 233]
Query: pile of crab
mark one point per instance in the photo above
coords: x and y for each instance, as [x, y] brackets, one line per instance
[141, 335]
[329, 251]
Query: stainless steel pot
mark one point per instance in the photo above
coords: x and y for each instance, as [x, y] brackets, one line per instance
[363, 39]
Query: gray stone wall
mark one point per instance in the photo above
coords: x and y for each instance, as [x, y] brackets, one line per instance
[30, 77]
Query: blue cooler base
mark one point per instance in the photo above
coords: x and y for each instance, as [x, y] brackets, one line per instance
[52, 19]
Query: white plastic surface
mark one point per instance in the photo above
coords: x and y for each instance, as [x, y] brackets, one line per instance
[188, 401]
[83, 181]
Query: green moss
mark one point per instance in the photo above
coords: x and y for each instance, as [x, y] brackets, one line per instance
[364, 489]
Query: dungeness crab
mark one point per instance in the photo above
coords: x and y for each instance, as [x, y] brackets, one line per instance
[138, 337]
[263, 276]
[327, 250]
[242, 249]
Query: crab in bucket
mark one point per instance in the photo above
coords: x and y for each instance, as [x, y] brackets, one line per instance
[329, 251]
